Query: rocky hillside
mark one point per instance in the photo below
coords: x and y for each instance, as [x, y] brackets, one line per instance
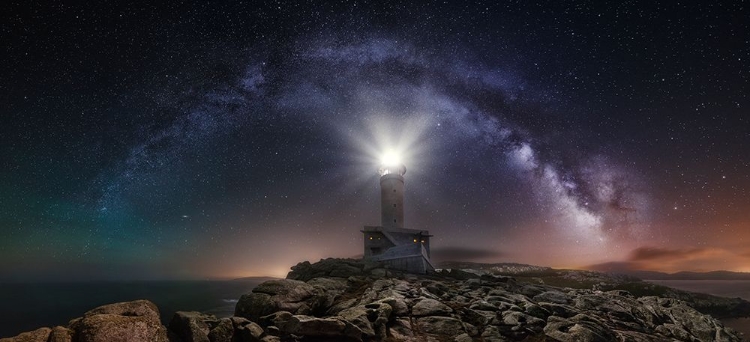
[350, 300]
[719, 307]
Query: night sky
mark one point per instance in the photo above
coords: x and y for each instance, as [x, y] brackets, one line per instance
[227, 139]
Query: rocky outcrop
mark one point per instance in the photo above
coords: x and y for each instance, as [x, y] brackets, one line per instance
[56, 334]
[340, 268]
[350, 300]
[129, 321]
[461, 305]
[134, 321]
[279, 295]
[38, 335]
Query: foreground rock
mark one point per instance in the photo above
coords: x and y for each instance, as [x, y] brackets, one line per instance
[136, 321]
[360, 303]
[351, 300]
[38, 335]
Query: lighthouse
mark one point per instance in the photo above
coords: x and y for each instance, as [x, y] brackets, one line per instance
[392, 243]
[392, 195]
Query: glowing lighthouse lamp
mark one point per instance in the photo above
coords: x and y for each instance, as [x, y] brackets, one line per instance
[390, 160]
[398, 247]
[392, 190]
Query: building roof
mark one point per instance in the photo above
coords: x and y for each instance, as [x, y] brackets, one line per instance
[380, 229]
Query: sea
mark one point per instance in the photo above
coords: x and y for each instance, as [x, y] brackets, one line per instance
[723, 288]
[28, 306]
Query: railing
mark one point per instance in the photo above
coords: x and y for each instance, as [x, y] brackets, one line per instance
[426, 256]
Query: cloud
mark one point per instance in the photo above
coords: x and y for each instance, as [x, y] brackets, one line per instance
[658, 259]
[654, 253]
[668, 260]
[463, 254]
[613, 267]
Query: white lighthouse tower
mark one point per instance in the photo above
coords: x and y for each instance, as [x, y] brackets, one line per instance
[392, 195]
[391, 243]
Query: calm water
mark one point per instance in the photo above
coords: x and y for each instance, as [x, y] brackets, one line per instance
[25, 307]
[724, 288]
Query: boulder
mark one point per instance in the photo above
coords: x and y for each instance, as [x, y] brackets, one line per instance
[476, 318]
[523, 321]
[134, 321]
[531, 290]
[222, 332]
[116, 328]
[336, 268]
[139, 308]
[698, 325]
[537, 311]
[371, 319]
[197, 327]
[579, 330]
[191, 326]
[345, 271]
[342, 305]
[327, 290]
[329, 328]
[38, 335]
[556, 297]
[674, 331]
[60, 334]
[430, 307]
[632, 336]
[270, 338]
[436, 325]
[401, 329]
[280, 295]
[359, 316]
[277, 319]
[491, 333]
[289, 290]
[483, 305]
[245, 330]
[397, 303]
[559, 310]
[255, 305]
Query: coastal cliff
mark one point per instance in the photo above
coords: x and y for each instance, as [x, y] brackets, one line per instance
[352, 300]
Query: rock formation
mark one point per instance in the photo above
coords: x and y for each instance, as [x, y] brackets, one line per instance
[352, 300]
[136, 321]
[462, 305]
